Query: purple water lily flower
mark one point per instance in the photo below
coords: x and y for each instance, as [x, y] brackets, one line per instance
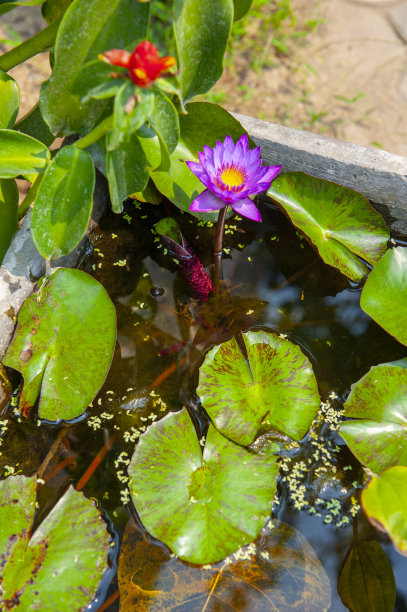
[231, 173]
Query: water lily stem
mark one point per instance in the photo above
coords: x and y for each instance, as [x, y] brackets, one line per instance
[38, 43]
[96, 134]
[217, 251]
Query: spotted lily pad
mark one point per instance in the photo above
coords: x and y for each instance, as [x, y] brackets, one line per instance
[385, 502]
[63, 344]
[276, 388]
[379, 400]
[202, 504]
[59, 565]
[338, 221]
[384, 296]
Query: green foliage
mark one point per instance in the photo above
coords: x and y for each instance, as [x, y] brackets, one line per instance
[94, 80]
[241, 397]
[21, 155]
[64, 203]
[203, 505]
[366, 581]
[384, 296]
[201, 32]
[10, 100]
[63, 344]
[5, 7]
[379, 402]
[385, 502]
[60, 564]
[169, 227]
[129, 113]
[338, 221]
[34, 125]
[99, 25]
[8, 213]
[241, 7]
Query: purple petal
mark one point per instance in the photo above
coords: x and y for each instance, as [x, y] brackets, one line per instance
[196, 168]
[207, 202]
[269, 174]
[229, 145]
[247, 208]
[244, 141]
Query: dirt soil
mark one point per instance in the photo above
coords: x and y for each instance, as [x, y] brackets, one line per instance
[346, 77]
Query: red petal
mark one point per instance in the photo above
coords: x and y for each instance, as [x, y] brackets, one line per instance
[117, 57]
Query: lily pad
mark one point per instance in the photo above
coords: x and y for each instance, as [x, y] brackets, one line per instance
[338, 221]
[385, 502]
[379, 400]
[280, 571]
[63, 344]
[384, 296]
[276, 388]
[366, 581]
[203, 505]
[59, 565]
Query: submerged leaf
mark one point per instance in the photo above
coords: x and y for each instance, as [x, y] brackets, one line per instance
[203, 505]
[338, 221]
[60, 564]
[276, 388]
[280, 571]
[63, 344]
[379, 400]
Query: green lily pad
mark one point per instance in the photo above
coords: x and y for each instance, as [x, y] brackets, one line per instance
[63, 344]
[59, 565]
[366, 581]
[8, 213]
[338, 221]
[10, 100]
[384, 296]
[276, 389]
[21, 155]
[203, 505]
[385, 502]
[379, 400]
[64, 203]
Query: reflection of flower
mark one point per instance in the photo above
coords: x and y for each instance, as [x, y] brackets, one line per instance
[143, 64]
[231, 173]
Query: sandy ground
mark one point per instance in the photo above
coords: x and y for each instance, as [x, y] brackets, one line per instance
[347, 77]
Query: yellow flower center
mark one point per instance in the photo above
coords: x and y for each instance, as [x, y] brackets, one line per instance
[232, 177]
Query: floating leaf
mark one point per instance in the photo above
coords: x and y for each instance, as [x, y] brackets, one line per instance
[281, 572]
[99, 25]
[366, 581]
[64, 203]
[126, 169]
[241, 7]
[63, 344]
[21, 154]
[384, 296]
[34, 125]
[8, 213]
[59, 565]
[10, 100]
[276, 389]
[202, 505]
[201, 32]
[385, 502]
[379, 400]
[338, 221]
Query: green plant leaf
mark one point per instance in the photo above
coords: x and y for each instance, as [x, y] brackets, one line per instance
[21, 155]
[201, 32]
[8, 213]
[169, 227]
[164, 119]
[59, 565]
[379, 400]
[276, 389]
[34, 125]
[241, 7]
[52, 10]
[385, 502]
[366, 581]
[202, 505]
[63, 344]
[279, 572]
[94, 81]
[204, 124]
[9, 100]
[99, 25]
[338, 221]
[127, 120]
[384, 296]
[64, 203]
[126, 169]
[5, 7]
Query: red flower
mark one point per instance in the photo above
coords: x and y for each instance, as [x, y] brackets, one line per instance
[144, 64]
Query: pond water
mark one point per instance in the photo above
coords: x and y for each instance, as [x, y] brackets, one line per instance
[273, 281]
